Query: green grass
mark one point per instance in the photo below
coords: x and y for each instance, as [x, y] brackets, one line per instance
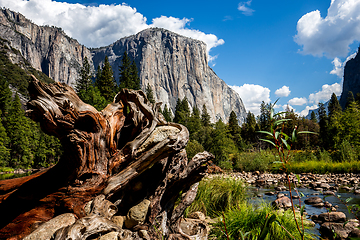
[246, 218]
[220, 195]
[322, 167]
[217, 195]
[6, 169]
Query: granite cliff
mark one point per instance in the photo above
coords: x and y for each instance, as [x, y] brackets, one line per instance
[175, 67]
[47, 49]
[351, 79]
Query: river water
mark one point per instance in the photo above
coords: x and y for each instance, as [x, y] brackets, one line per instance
[257, 195]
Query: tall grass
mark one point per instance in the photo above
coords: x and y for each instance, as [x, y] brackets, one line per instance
[223, 195]
[246, 218]
[217, 195]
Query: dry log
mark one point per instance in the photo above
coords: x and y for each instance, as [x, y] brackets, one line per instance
[124, 154]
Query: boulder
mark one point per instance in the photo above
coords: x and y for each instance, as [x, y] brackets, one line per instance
[137, 214]
[332, 217]
[327, 230]
[282, 203]
[313, 200]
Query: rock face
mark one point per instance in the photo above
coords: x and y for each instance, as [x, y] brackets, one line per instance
[351, 79]
[47, 49]
[175, 67]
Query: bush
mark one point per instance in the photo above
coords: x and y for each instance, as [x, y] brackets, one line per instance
[255, 161]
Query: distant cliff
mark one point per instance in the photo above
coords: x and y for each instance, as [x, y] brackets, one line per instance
[47, 49]
[175, 67]
[351, 79]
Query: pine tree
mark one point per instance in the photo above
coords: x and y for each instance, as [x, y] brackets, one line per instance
[313, 117]
[334, 105]
[182, 112]
[194, 123]
[19, 132]
[105, 81]
[205, 117]
[264, 117]
[250, 127]
[150, 94]
[129, 77]
[5, 95]
[167, 114]
[324, 125]
[350, 99]
[84, 82]
[4, 141]
[235, 131]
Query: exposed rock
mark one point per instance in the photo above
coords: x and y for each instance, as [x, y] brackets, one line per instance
[351, 79]
[342, 231]
[332, 217]
[175, 67]
[194, 229]
[47, 49]
[137, 214]
[282, 203]
[118, 220]
[47, 229]
[109, 236]
[313, 200]
[355, 233]
[197, 215]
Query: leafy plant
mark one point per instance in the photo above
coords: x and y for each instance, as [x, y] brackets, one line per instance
[283, 143]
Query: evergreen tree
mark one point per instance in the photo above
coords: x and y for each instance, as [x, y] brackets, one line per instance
[129, 77]
[84, 82]
[205, 117]
[334, 105]
[182, 112]
[350, 99]
[167, 114]
[264, 117]
[313, 117]
[323, 124]
[105, 81]
[194, 123]
[4, 141]
[235, 130]
[149, 94]
[250, 127]
[19, 132]
[5, 95]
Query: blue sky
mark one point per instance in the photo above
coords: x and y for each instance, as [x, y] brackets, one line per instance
[293, 50]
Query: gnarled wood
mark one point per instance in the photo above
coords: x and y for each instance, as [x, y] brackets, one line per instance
[127, 152]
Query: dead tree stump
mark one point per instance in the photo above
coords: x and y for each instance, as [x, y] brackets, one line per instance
[126, 153]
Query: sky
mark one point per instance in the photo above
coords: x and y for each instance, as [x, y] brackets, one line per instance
[265, 50]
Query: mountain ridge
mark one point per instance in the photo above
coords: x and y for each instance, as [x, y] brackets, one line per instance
[174, 65]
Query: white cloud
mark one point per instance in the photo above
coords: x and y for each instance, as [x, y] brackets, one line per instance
[332, 35]
[284, 91]
[96, 26]
[325, 93]
[252, 96]
[305, 112]
[244, 7]
[339, 66]
[297, 101]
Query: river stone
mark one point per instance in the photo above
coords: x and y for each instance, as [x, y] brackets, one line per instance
[332, 217]
[144, 234]
[47, 229]
[328, 193]
[282, 203]
[137, 214]
[355, 233]
[324, 185]
[342, 231]
[313, 200]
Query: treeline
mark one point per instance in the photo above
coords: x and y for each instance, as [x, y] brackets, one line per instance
[338, 132]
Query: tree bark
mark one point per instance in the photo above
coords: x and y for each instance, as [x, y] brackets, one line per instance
[127, 152]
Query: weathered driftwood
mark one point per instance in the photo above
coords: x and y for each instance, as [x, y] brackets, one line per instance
[127, 152]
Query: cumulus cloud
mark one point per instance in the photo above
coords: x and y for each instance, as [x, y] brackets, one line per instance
[252, 96]
[332, 35]
[96, 26]
[297, 101]
[284, 91]
[244, 7]
[339, 65]
[305, 112]
[325, 93]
